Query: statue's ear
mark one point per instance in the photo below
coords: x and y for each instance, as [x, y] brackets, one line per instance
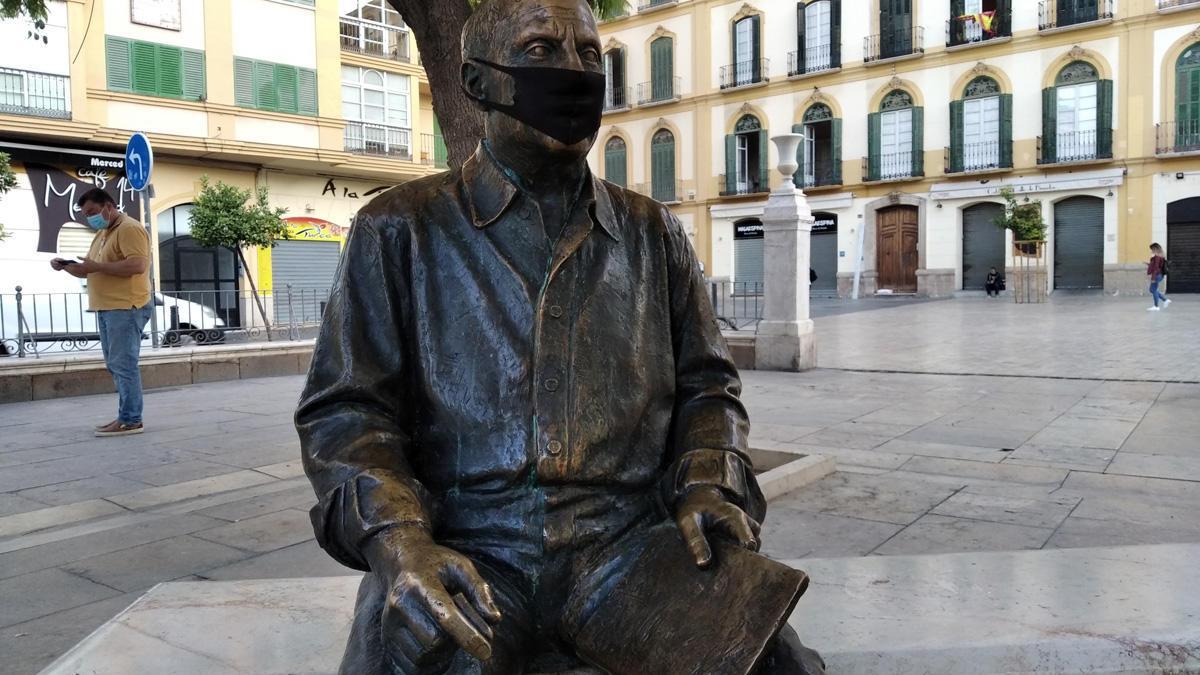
[474, 82]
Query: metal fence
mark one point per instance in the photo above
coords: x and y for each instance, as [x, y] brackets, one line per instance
[1060, 13]
[366, 138]
[616, 98]
[981, 27]
[1072, 146]
[34, 324]
[25, 92]
[901, 41]
[1181, 136]
[738, 304]
[745, 73]
[660, 90]
[816, 59]
[375, 39]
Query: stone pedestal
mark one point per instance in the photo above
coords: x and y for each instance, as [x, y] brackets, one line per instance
[785, 338]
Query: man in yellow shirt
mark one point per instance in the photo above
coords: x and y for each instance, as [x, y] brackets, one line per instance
[117, 269]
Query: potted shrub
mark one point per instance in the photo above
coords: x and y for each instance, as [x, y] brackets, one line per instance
[1025, 221]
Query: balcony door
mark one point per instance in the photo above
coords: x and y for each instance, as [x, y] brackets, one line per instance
[896, 143]
[1071, 12]
[1076, 113]
[981, 133]
[818, 36]
[895, 28]
[614, 73]
[1187, 99]
[743, 51]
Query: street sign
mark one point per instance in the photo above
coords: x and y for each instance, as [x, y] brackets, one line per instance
[139, 160]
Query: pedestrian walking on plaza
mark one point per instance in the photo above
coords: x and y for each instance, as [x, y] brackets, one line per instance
[993, 283]
[1157, 271]
[117, 269]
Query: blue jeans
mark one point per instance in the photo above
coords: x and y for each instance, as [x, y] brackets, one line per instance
[1158, 297]
[121, 341]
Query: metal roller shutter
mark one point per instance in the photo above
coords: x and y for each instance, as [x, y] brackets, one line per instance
[748, 263]
[1183, 252]
[983, 245]
[309, 266]
[824, 255]
[1079, 243]
[74, 240]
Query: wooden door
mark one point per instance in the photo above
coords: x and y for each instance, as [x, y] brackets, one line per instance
[896, 252]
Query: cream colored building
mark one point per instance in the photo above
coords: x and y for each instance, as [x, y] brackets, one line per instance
[918, 112]
[322, 101]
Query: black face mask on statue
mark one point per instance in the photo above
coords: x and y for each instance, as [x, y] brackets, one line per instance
[564, 104]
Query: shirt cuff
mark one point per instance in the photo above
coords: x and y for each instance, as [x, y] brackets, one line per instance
[374, 500]
[722, 469]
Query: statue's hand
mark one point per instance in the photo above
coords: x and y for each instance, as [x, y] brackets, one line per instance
[420, 616]
[705, 510]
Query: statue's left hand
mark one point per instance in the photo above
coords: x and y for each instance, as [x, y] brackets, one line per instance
[704, 511]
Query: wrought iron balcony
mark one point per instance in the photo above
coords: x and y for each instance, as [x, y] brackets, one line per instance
[375, 39]
[823, 175]
[892, 166]
[433, 151]
[1177, 137]
[816, 59]
[617, 99]
[745, 73]
[894, 44]
[978, 28]
[366, 138]
[660, 91]
[1074, 146]
[646, 5]
[25, 92]
[976, 157]
[1062, 13]
[667, 191]
[1164, 5]
[747, 187]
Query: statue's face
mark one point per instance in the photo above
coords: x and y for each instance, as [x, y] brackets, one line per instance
[546, 34]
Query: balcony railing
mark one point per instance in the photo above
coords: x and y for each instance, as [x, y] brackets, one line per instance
[1176, 4]
[748, 187]
[375, 39]
[366, 138]
[1177, 137]
[745, 73]
[433, 151]
[24, 92]
[1062, 13]
[823, 175]
[645, 5]
[977, 28]
[892, 166]
[660, 91]
[616, 99]
[894, 44]
[1074, 146]
[666, 191]
[975, 157]
[816, 59]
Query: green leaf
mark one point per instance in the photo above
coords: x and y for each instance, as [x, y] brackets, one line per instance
[236, 218]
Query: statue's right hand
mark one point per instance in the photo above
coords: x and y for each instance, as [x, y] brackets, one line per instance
[420, 615]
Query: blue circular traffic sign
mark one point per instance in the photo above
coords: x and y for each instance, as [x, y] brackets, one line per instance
[139, 160]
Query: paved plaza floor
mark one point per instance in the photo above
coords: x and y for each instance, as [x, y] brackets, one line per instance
[928, 463]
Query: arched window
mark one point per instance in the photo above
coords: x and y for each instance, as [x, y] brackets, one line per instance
[662, 166]
[895, 138]
[662, 71]
[746, 158]
[820, 156]
[204, 275]
[1187, 100]
[1077, 115]
[981, 127]
[615, 161]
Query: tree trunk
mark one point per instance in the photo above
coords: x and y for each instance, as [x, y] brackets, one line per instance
[437, 27]
[262, 311]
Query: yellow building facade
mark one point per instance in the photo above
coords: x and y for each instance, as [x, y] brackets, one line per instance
[917, 113]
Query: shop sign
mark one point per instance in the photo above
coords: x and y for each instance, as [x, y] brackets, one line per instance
[749, 229]
[55, 192]
[314, 229]
[825, 223]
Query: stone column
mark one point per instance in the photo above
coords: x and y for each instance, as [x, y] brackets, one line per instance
[785, 339]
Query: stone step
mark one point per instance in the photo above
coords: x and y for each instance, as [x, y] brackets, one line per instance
[1100, 610]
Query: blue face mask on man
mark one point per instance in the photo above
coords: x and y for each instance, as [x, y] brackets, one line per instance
[97, 221]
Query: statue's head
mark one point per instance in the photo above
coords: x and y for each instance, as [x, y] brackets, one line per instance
[535, 67]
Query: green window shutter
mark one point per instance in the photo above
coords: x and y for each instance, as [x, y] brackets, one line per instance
[835, 34]
[614, 166]
[731, 164]
[918, 136]
[243, 82]
[265, 95]
[118, 64]
[800, 29]
[1049, 125]
[956, 136]
[756, 48]
[286, 85]
[145, 68]
[1104, 118]
[440, 154]
[1006, 125]
[662, 171]
[193, 75]
[798, 178]
[764, 153]
[170, 71]
[874, 138]
[835, 141]
[662, 69]
[307, 91]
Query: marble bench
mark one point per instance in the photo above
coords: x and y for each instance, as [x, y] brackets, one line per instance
[1100, 610]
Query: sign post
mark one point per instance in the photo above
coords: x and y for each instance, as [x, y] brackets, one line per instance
[139, 162]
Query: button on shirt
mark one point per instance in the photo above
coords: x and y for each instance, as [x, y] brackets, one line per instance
[463, 352]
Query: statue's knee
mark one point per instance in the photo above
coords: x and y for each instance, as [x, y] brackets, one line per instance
[788, 656]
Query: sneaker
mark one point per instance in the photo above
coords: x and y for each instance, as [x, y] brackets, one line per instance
[1167, 302]
[1152, 309]
[102, 427]
[116, 428]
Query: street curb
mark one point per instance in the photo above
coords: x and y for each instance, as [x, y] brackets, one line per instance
[793, 475]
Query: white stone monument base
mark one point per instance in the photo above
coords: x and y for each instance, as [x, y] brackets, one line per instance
[1102, 610]
[785, 345]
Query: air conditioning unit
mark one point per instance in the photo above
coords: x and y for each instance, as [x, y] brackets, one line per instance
[691, 195]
